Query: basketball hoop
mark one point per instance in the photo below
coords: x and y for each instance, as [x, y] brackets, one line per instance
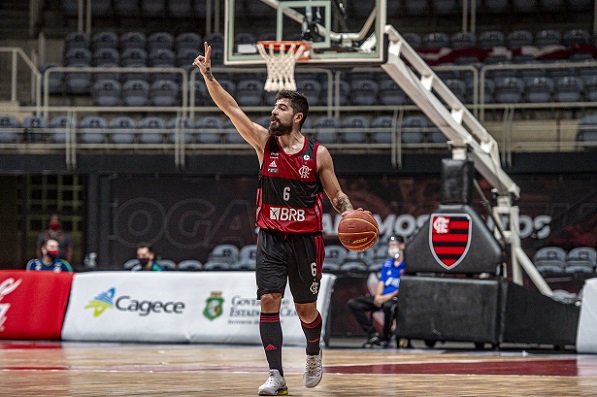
[280, 59]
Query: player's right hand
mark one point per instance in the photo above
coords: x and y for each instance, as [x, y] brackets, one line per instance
[203, 62]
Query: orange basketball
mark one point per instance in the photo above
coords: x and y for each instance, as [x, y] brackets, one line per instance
[358, 231]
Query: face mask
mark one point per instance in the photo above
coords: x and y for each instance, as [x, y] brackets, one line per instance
[143, 261]
[394, 252]
[53, 254]
[54, 225]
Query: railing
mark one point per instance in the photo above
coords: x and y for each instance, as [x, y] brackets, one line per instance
[17, 53]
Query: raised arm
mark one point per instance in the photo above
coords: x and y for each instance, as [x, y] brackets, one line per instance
[253, 133]
[331, 186]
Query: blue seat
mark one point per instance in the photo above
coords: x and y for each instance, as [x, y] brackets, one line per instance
[311, 89]
[210, 129]
[55, 79]
[458, 88]
[590, 88]
[78, 82]
[133, 40]
[568, 89]
[461, 40]
[101, 8]
[130, 74]
[153, 8]
[587, 129]
[77, 55]
[443, 7]
[163, 93]
[575, 37]
[519, 38]
[414, 39]
[152, 130]
[354, 129]
[334, 256]
[344, 92]
[223, 256]
[77, 40]
[180, 8]
[135, 93]
[104, 40]
[188, 40]
[539, 89]
[91, 130]
[390, 93]
[244, 38]
[435, 40]
[160, 40]
[548, 37]
[249, 93]
[133, 56]
[414, 129]
[105, 55]
[416, 7]
[382, 128]
[550, 260]
[106, 92]
[247, 258]
[9, 126]
[364, 92]
[100, 72]
[525, 6]
[189, 265]
[59, 125]
[70, 8]
[491, 39]
[200, 92]
[185, 57]
[186, 127]
[231, 135]
[509, 90]
[127, 8]
[122, 130]
[581, 260]
[326, 128]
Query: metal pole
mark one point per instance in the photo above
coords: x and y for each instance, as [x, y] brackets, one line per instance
[80, 16]
[88, 17]
[13, 88]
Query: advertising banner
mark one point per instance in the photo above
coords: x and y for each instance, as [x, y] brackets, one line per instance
[586, 339]
[33, 303]
[210, 307]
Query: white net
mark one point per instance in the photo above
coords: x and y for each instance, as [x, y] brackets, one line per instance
[280, 65]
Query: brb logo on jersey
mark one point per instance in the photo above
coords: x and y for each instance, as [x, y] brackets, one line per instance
[286, 214]
[449, 238]
[7, 286]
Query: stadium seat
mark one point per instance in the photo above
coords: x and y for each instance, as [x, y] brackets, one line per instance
[416, 7]
[8, 129]
[461, 40]
[509, 90]
[587, 129]
[548, 37]
[414, 129]
[210, 129]
[185, 125]
[102, 56]
[128, 265]
[496, 6]
[382, 128]
[525, 6]
[199, 93]
[188, 40]
[133, 56]
[364, 92]
[133, 40]
[343, 95]
[153, 8]
[357, 261]
[189, 265]
[70, 8]
[101, 40]
[443, 7]
[60, 125]
[135, 93]
[231, 135]
[575, 37]
[185, 57]
[539, 89]
[180, 8]
[354, 129]
[126, 8]
[568, 89]
[106, 92]
[590, 88]
[100, 72]
[458, 88]
[167, 264]
[77, 56]
[151, 130]
[91, 129]
[491, 39]
[435, 40]
[35, 128]
[519, 38]
[581, 260]
[101, 8]
[249, 93]
[550, 260]
[55, 79]
[390, 94]
[160, 41]
[122, 130]
[326, 128]
[334, 256]
[311, 89]
[223, 256]
[163, 93]
[414, 39]
[247, 258]
[76, 40]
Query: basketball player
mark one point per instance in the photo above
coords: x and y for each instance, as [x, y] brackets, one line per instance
[295, 172]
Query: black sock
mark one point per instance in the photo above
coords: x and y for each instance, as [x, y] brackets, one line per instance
[271, 338]
[313, 333]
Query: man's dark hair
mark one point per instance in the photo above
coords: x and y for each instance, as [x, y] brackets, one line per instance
[396, 237]
[298, 102]
[145, 245]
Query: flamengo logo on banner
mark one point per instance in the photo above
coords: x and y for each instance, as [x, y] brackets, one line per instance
[6, 288]
[105, 300]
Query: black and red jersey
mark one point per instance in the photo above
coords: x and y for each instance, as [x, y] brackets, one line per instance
[290, 194]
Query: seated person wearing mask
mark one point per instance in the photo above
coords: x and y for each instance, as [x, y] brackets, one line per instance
[146, 259]
[385, 297]
[50, 259]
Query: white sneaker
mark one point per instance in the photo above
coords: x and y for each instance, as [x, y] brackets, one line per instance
[313, 370]
[275, 385]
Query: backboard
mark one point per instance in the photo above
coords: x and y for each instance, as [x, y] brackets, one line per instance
[340, 32]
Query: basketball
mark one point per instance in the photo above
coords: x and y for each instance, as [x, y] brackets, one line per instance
[358, 231]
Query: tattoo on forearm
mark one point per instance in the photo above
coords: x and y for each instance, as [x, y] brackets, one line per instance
[342, 204]
[208, 74]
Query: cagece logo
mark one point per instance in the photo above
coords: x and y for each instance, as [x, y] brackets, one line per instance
[105, 300]
[7, 286]
[213, 306]
[286, 214]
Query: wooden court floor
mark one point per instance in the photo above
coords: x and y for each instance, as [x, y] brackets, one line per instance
[110, 369]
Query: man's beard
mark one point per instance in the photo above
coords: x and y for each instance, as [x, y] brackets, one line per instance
[280, 130]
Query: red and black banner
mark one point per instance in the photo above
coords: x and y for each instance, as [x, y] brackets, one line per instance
[449, 238]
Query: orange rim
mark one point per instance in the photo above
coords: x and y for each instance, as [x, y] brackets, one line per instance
[277, 45]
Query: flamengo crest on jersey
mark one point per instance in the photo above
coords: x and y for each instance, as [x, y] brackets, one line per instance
[449, 238]
[290, 195]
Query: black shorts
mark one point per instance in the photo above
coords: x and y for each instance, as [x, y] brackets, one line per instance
[296, 257]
